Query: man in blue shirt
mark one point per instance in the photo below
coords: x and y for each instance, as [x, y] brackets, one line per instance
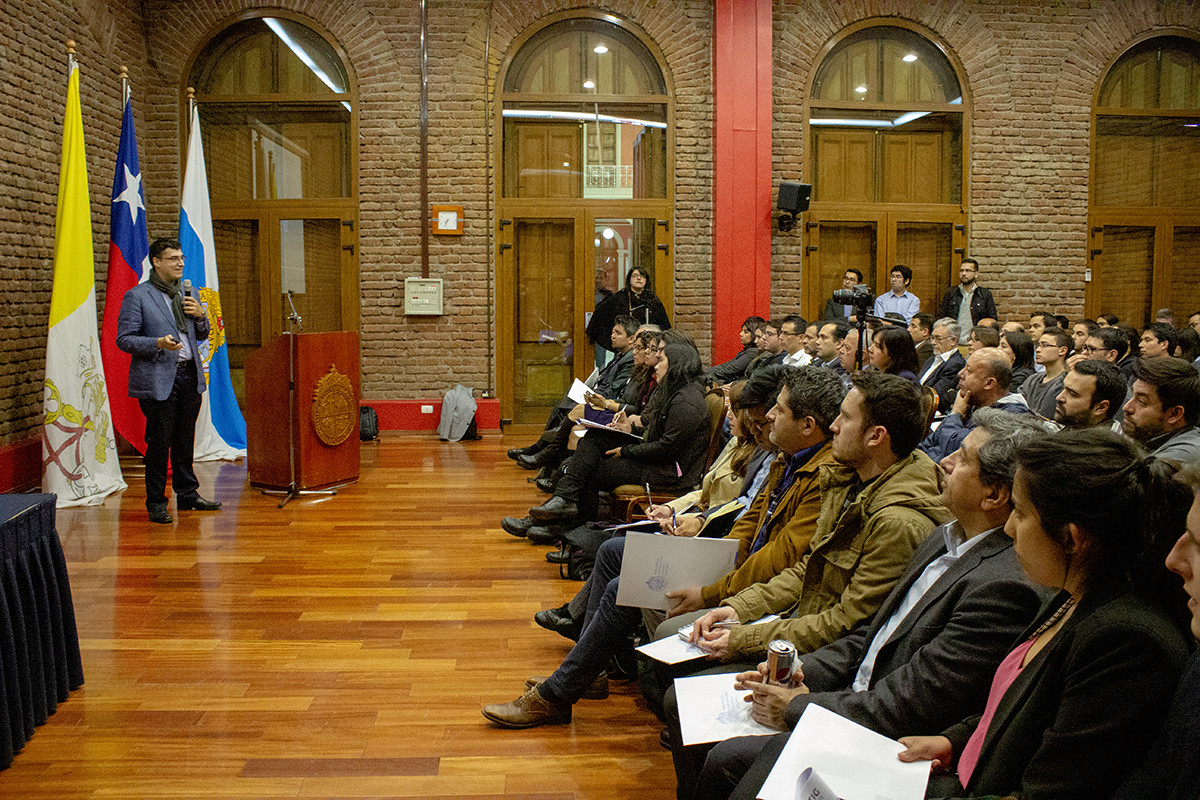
[899, 299]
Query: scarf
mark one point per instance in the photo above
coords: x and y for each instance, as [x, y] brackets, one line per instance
[176, 295]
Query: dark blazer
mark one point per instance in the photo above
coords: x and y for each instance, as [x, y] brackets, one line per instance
[924, 353]
[733, 369]
[764, 360]
[982, 304]
[682, 439]
[1081, 714]
[144, 318]
[937, 666]
[647, 309]
[610, 383]
[944, 380]
[833, 310]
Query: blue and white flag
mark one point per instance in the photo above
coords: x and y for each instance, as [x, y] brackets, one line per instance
[220, 430]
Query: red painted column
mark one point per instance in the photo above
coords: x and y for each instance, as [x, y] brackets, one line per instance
[742, 192]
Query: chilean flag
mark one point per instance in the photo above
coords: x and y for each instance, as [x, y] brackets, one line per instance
[128, 265]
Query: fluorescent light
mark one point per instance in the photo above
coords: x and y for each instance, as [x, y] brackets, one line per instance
[303, 55]
[589, 84]
[911, 57]
[852, 123]
[582, 116]
[861, 89]
[909, 117]
[600, 49]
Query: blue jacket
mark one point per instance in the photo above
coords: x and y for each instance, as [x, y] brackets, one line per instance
[144, 318]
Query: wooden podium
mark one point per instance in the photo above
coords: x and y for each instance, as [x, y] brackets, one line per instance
[324, 431]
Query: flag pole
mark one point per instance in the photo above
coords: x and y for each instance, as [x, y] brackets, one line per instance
[71, 62]
[126, 89]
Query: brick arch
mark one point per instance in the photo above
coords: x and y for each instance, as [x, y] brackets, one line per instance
[683, 35]
[803, 29]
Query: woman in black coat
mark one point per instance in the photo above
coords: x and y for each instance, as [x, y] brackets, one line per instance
[670, 454]
[1073, 707]
[1020, 348]
[637, 300]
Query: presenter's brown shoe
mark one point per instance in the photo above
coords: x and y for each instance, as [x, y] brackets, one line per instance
[197, 503]
[528, 711]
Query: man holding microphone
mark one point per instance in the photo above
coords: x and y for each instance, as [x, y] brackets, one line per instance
[161, 325]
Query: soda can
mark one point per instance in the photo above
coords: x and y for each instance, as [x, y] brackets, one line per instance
[781, 662]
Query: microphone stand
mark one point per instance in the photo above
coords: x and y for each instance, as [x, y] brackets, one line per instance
[293, 491]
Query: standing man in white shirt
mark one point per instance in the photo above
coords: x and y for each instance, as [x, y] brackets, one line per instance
[899, 299]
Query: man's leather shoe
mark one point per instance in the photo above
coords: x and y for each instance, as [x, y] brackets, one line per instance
[517, 526]
[197, 503]
[517, 452]
[558, 556]
[535, 460]
[546, 484]
[554, 509]
[528, 711]
[542, 534]
[161, 516]
[560, 621]
[598, 690]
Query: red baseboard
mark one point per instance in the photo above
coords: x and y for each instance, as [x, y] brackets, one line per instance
[21, 465]
[406, 415]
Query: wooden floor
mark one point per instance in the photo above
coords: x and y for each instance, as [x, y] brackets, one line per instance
[339, 647]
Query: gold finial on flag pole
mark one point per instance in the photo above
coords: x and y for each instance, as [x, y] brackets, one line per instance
[191, 101]
[70, 55]
[125, 88]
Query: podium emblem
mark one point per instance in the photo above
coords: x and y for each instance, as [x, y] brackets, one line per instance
[334, 412]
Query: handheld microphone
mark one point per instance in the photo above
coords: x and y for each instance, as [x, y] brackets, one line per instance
[187, 287]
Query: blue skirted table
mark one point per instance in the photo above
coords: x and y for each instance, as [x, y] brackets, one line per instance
[39, 646]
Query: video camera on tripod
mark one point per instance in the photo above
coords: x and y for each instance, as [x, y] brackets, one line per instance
[860, 297]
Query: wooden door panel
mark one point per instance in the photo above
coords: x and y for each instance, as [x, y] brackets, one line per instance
[927, 248]
[1126, 273]
[1123, 170]
[845, 166]
[1185, 278]
[914, 168]
[845, 245]
[548, 160]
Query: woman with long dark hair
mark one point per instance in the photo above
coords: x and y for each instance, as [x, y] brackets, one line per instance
[892, 351]
[1019, 347]
[1074, 705]
[637, 300]
[669, 455]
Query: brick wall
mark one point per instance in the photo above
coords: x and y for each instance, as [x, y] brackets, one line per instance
[1031, 68]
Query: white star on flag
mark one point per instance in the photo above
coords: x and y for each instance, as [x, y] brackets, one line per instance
[132, 194]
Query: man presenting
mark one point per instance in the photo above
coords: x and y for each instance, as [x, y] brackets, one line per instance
[968, 302]
[161, 326]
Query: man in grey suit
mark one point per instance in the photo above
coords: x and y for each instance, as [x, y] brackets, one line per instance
[162, 327]
[930, 653]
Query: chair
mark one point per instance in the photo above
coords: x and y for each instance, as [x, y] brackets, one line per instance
[634, 497]
[929, 407]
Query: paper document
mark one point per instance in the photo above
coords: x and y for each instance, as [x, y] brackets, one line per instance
[654, 565]
[578, 390]
[587, 423]
[677, 649]
[856, 762]
[711, 710]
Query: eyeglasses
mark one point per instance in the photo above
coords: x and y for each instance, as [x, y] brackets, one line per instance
[941, 338]
[1087, 348]
[790, 333]
[1047, 344]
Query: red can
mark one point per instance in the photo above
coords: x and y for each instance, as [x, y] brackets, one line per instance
[781, 662]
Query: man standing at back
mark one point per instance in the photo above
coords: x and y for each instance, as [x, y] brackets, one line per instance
[162, 327]
[899, 299]
[968, 302]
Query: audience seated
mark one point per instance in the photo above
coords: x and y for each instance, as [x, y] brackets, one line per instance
[919, 329]
[787, 506]
[983, 382]
[892, 351]
[1041, 390]
[982, 336]
[1092, 394]
[1107, 343]
[791, 334]
[1171, 768]
[926, 659]
[941, 372]
[899, 299]
[1158, 340]
[839, 311]
[1165, 407]
[829, 342]
[1039, 321]
[1073, 707]
[878, 503]
[1019, 347]
[735, 368]
[770, 347]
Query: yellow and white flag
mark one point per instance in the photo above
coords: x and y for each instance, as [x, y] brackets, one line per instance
[79, 453]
